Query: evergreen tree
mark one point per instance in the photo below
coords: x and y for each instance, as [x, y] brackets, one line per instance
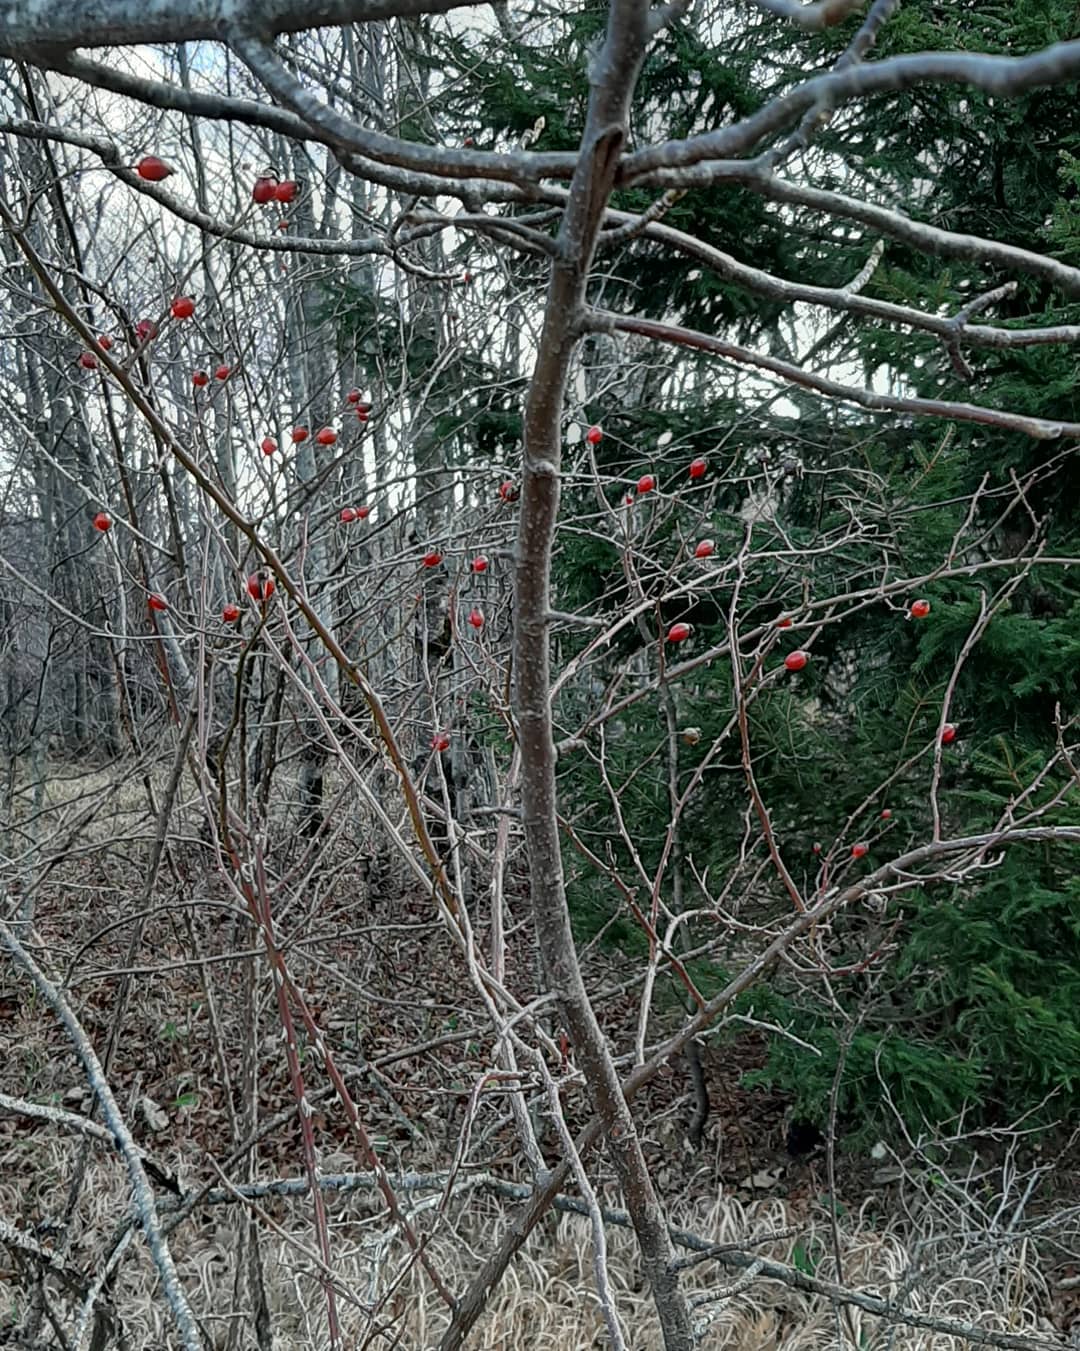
[972, 996]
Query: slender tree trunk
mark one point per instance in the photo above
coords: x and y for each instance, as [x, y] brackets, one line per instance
[613, 76]
[315, 389]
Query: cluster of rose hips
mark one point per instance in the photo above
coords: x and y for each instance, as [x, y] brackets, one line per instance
[200, 379]
[152, 169]
[327, 436]
[181, 308]
[260, 585]
[697, 469]
[145, 329]
[267, 187]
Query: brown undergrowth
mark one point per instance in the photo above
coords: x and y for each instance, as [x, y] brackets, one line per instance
[396, 1005]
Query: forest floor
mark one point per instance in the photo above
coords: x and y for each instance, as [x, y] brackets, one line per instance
[406, 1028]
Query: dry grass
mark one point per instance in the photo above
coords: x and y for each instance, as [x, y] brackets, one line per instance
[547, 1299]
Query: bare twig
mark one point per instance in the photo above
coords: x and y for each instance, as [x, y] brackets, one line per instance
[142, 1195]
[1040, 428]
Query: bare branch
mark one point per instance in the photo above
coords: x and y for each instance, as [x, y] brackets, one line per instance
[142, 1193]
[665, 15]
[592, 1206]
[338, 131]
[1002, 76]
[927, 238]
[636, 225]
[817, 117]
[40, 1111]
[882, 220]
[515, 233]
[812, 17]
[1040, 428]
[25, 30]
[848, 300]
[881, 11]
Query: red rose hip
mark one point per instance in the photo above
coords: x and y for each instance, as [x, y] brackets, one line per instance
[260, 585]
[152, 169]
[795, 661]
